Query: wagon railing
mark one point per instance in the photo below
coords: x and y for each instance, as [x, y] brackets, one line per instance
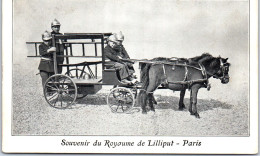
[96, 39]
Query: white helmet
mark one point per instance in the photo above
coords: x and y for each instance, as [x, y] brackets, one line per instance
[55, 22]
[46, 35]
[112, 38]
[120, 36]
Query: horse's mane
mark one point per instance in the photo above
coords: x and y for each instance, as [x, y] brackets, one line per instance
[202, 58]
[205, 59]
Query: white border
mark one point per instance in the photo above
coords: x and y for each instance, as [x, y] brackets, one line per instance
[52, 144]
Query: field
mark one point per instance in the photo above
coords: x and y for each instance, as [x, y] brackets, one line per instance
[223, 111]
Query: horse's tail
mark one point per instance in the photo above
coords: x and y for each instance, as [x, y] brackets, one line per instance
[144, 76]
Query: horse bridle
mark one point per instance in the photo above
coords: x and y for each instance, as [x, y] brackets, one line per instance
[223, 70]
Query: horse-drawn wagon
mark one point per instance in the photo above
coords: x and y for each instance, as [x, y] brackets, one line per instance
[82, 78]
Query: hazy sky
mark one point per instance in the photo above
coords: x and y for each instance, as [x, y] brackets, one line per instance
[152, 28]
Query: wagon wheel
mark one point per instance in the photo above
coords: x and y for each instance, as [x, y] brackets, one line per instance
[60, 91]
[120, 100]
[79, 74]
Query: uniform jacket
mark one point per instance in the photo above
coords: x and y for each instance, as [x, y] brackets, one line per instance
[111, 54]
[114, 54]
[121, 50]
[46, 65]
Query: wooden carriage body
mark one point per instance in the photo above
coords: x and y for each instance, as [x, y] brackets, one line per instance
[83, 60]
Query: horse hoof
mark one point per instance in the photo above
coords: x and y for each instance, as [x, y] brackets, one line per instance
[144, 112]
[153, 110]
[181, 108]
[197, 115]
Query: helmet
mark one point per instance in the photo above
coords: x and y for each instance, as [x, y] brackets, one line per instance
[120, 36]
[112, 38]
[46, 35]
[55, 22]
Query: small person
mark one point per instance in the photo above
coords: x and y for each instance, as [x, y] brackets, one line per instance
[55, 26]
[121, 50]
[120, 61]
[46, 50]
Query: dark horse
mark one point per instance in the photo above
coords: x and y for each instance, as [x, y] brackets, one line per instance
[179, 75]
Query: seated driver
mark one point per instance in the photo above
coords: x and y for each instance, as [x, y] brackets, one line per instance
[121, 50]
[120, 60]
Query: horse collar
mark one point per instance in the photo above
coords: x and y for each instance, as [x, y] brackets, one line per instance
[203, 71]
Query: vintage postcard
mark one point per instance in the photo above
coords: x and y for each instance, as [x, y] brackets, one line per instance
[130, 77]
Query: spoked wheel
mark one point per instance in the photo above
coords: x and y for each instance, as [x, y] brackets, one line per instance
[120, 100]
[79, 74]
[60, 91]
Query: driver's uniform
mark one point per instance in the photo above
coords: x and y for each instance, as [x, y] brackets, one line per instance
[124, 69]
[46, 65]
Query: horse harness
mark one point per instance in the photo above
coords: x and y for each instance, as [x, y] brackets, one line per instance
[189, 83]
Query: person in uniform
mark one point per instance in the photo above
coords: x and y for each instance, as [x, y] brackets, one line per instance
[120, 60]
[121, 50]
[55, 26]
[46, 50]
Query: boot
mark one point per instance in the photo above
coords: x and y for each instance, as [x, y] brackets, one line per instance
[126, 82]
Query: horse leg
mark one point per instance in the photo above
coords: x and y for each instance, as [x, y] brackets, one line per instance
[154, 82]
[150, 98]
[193, 100]
[142, 99]
[181, 104]
[153, 99]
[155, 79]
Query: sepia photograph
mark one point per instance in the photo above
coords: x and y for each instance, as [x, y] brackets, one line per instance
[120, 76]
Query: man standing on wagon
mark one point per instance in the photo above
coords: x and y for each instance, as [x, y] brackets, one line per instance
[46, 51]
[55, 26]
[120, 60]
